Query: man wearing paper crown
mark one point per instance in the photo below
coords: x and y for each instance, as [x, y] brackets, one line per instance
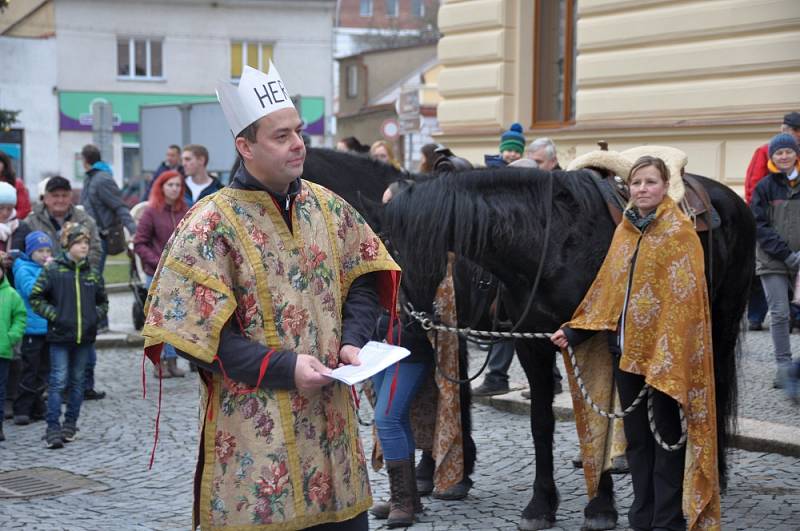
[266, 286]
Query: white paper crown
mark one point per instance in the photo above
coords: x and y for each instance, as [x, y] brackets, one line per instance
[257, 95]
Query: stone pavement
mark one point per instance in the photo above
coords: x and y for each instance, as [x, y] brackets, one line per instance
[116, 435]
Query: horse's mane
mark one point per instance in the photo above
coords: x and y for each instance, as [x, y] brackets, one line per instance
[466, 211]
[340, 171]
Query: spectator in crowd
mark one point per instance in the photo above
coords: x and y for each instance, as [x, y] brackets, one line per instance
[164, 211]
[35, 350]
[427, 156]
[757, 170]
[512, 146]
[8, 223]
[382, 151]
[198, 182]
[54, 210]
[352, 145]
[7, 175]
[543, 152]
[72, 297]
[776, 206]
[102, 200]
[12, 328]
[172, 161]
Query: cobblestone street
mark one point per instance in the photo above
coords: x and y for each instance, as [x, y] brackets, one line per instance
[116, 436]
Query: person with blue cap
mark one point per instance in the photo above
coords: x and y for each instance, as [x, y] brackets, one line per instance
[776, 208]
[29, 404]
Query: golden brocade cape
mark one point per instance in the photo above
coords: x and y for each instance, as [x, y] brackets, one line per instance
[667, 339]
[270, 458]
[435, 412]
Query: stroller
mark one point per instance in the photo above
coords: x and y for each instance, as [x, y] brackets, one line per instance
[136, 277]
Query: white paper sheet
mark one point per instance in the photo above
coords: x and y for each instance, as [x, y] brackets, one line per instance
[374, 358]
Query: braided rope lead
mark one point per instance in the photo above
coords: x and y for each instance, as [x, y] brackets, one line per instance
[647, 391]
[651, 419]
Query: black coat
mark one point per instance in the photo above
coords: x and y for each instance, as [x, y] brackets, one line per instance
[72, 297]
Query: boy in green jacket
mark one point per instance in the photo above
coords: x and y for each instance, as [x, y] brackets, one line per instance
[72, 297]
[13, 318]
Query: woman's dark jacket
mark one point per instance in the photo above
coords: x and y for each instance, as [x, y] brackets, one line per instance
[72, 297]
[152, 232]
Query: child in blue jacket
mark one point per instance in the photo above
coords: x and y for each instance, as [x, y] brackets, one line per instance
[35, 351]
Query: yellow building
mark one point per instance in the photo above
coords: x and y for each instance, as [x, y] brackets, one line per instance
[711, 77]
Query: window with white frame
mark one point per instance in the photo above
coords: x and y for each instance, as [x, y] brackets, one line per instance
[253, 54]
[139, 58]
[352, 81]
[365, 8]
[392, 9]
[418, 8]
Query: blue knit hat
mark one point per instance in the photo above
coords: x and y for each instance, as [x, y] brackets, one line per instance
[782, 140]
[37, 240]
[513, 140]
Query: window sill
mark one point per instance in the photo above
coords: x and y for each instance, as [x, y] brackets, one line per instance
[145, 79]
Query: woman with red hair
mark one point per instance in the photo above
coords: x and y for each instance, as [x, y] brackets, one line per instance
[164, 211]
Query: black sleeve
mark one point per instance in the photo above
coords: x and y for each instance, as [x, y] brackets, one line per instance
[577, 336]
[241, 358]
[360, 311]
[18, 237]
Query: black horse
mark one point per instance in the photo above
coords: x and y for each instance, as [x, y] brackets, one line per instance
[498, 218]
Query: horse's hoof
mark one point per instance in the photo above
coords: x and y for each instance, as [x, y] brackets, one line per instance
[532, 524]
[600, 521]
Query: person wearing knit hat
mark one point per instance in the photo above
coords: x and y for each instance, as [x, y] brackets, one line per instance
[70, 294]
[37, 240]
[8, 195]
[29, 403]
[512, 143]
[776, 208]
[782, 141]
[71, 233]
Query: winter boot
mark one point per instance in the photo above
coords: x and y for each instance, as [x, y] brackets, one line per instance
[381, 509]
[163, 368]
[403, 491]
[424, 474]
[172, 367]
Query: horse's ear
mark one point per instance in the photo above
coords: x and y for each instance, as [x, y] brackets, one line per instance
[371, 210]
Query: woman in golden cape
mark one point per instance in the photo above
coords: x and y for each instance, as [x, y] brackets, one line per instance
[651, 302]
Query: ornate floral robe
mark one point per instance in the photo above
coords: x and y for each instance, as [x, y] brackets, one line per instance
[667, 339]
[270, 459]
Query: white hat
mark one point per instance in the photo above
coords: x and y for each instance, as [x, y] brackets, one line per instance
[8, 195]
[257, 95]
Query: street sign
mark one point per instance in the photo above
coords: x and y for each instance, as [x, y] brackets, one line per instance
[407, 107]
[390, 130]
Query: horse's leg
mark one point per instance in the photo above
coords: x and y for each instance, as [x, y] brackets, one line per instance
[470, 450]
[536, 358]
[601, 511]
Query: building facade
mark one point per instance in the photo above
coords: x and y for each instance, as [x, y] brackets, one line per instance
[155, 52]
[711, 78]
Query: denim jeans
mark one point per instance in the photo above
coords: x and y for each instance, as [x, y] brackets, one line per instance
[776, 288]
[394, 427]
[500, 357]
[4, 366]
[757, 307]
[67, 366]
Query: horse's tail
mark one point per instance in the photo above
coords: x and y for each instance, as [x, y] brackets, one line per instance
[733, 267]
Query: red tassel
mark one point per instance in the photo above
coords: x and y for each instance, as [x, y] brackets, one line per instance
[261, 372]
[153, 352]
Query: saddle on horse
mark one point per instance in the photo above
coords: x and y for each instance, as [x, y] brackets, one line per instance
[610, 169]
